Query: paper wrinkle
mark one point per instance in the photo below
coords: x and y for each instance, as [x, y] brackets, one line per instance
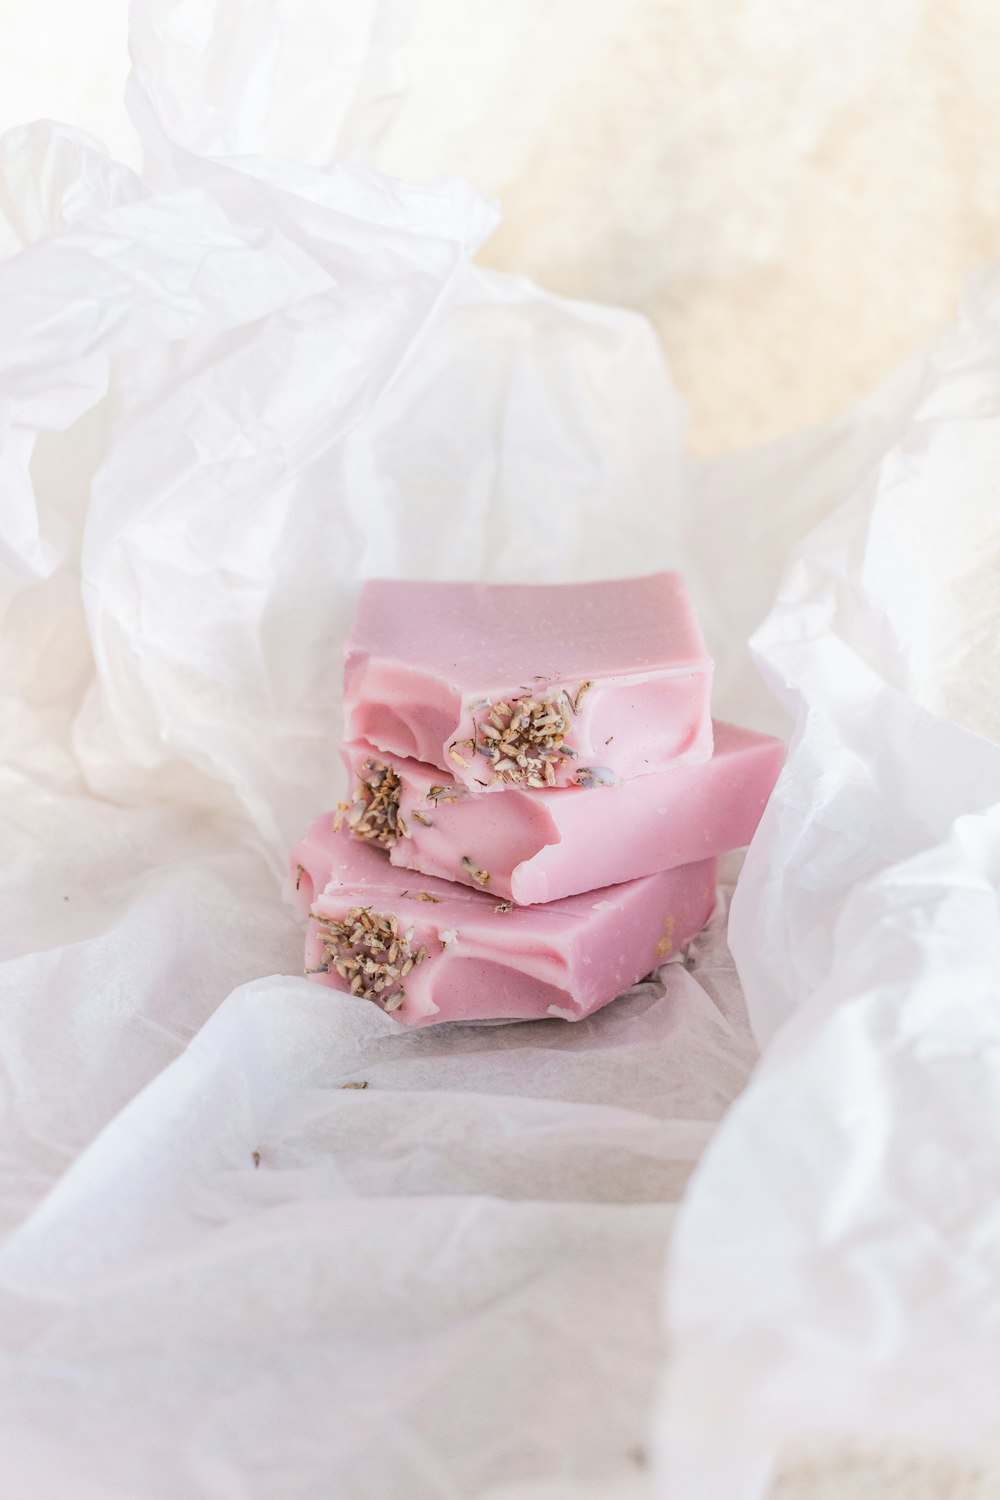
[230, 390]
[840, 1272]
[53, 176]
[283, 79]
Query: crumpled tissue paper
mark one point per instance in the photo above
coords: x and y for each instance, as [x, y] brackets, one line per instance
[836, 1260]
[231, 388]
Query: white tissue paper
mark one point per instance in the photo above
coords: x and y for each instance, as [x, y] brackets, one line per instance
[230, 389]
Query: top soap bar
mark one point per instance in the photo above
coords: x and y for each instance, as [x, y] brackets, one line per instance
[531, 685]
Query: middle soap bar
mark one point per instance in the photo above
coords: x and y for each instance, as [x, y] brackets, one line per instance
[530, 685]
[541, 845]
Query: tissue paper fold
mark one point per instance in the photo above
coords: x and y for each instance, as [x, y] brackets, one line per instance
[833, 1259]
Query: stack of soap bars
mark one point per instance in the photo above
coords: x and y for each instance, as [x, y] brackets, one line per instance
[537, 798]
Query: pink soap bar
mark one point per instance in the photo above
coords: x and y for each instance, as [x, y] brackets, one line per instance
[531, 685]
[534, 846]
[428, 950]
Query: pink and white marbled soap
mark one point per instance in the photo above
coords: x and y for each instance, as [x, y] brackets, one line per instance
[534, 846]
[426, 950]
[531, 685]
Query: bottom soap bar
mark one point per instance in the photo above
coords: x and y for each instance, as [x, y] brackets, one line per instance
[427, 950]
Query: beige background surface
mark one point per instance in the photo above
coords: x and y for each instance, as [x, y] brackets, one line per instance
[793, 190]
